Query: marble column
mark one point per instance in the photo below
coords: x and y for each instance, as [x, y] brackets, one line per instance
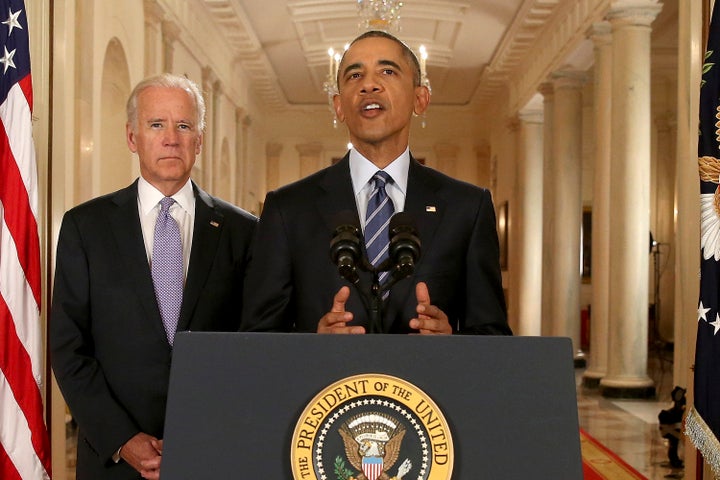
[447, 157]
[663, 254]
[208, 149]
[567, 208]
[310, 154]
[240, 170]
[482, 157]
[170, 34]
[630, 201]
[548, 93]
[214, 136]
[153, 37]
[272, 165]
[530, 229]
[601, 35]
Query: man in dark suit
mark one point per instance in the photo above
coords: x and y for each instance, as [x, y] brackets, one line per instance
[456, 286]
[110, 347]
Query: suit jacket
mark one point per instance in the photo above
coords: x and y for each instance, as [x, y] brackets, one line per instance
[291, 279]
[109, 351]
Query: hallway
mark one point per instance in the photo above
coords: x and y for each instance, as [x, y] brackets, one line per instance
[630, 427]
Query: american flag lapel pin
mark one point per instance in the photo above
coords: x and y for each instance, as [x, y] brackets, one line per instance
[430, 208]
[214, 223]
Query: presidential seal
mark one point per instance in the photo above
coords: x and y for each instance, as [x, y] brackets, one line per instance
[372, 427]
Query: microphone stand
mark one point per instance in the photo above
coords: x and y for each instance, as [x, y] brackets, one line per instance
[373, 299]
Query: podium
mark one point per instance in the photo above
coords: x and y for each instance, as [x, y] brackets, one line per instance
[235, 400]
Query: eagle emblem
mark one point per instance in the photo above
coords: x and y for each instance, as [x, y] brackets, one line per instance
[372, 445]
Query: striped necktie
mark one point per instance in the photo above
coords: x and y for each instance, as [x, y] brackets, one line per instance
[167, 268]
[379, 210]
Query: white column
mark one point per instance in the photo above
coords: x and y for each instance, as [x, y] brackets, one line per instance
[601, 35]
[309, 157]
[272, 165]
[548, 93]
[567, 207]
[630, 201]
[530, 193]
[240, 170]
[170, 34]
[447, 158]
[663, 256]
[687, 205]
[153, 37]
[208, 82]
[482, 157]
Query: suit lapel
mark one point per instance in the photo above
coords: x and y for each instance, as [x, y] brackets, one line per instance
[125, 225]
[206, 234]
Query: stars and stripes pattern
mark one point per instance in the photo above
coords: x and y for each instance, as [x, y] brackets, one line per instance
[703, 419]
[24, 445]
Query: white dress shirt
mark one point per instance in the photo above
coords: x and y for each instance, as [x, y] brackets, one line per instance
[183, 211]
[362, 171]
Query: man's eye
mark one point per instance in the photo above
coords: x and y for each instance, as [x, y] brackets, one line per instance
[183, 126]
[389, 71]
[354, 75]
[156, 125]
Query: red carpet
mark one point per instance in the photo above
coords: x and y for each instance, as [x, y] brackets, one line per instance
[599, 463]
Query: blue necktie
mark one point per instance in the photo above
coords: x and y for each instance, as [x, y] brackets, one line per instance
[377, 219]
[167, 268]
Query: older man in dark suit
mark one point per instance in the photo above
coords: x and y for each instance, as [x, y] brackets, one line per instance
[456, 286]
[133, 267]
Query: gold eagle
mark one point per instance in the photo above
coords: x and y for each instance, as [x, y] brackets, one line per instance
[354, 455]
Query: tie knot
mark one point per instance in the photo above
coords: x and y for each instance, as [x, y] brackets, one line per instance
[166, 203]
[381, 178]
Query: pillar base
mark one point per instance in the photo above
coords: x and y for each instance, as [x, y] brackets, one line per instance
[591, 379]
[579, 360]
[627, 388]
[627, 392]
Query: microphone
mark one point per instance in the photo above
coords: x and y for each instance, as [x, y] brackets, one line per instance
[345, 249]
[404, 244]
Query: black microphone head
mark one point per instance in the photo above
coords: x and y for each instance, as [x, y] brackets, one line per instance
[345, 247]
[404, 243]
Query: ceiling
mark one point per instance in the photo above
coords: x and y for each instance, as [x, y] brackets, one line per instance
[474, 46]
[283, 44]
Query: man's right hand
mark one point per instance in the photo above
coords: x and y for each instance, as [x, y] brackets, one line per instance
[335, 321]
[143, 452]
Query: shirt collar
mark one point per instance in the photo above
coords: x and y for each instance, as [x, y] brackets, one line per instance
[362, 170]
[149, 196]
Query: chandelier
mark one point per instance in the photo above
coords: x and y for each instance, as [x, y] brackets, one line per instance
[374, 15]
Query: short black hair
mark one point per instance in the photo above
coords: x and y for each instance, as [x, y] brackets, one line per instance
[407, 53]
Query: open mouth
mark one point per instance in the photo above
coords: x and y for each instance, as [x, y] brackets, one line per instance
[372, 106]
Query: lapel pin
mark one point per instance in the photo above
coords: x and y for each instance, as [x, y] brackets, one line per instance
[214, 223]
[430, 208]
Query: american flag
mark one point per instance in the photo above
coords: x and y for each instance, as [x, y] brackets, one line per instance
[703, 421]
[24, 445]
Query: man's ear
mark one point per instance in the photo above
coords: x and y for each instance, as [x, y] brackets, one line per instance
[198, 146]
[422, 99]
[130, 137]
[338, 108]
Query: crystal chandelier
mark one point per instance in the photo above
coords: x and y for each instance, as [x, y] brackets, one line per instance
[374, 15]
[380, 15]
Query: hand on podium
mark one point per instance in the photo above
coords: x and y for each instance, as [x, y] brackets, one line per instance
[430, 320]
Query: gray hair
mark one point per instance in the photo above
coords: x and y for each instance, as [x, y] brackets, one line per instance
[170, 81]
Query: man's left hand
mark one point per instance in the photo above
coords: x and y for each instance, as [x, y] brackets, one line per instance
[430, 320]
